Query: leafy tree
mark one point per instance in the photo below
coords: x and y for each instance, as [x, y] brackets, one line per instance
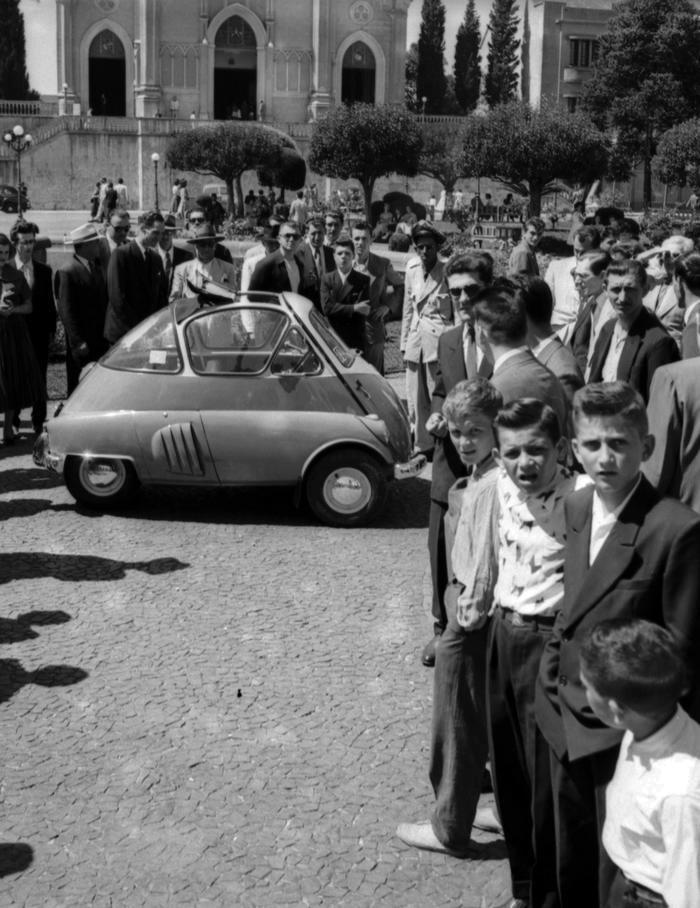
[288, 173]
[677, 159]
[14, 81]
[410, 94]
[646, 76]
[442, 155]
[364, 142]
[227, 151]
[528, 150]
[467, 69]
[501, 82]
[431, 82]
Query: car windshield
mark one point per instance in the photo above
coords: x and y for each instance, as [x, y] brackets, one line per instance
[234, 340]
[150, 347]
[344, 356]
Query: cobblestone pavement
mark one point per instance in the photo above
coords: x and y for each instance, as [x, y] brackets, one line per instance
[210, 700]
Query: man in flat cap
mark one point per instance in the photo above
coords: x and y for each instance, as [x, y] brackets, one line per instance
[427, 312]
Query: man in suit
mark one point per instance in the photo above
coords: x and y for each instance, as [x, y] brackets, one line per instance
[559, 278]
[541, 339]
[135, 279]
[595, 309]
[345, 296]
[318, 260]
[171, 255]
[631, 346]
[686, 282]
[458, 358]
[117, 234]
[385, 293]
[661, 297]
[334, 227]
[629, 554]
[282, 271]
[204, 267]
[42, 321]
[81, 294]
[427, 312]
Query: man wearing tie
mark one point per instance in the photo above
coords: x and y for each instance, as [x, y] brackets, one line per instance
[204, 267]
[318, 260]
[171, 255]
[81, 293]
[458, 358]
[345, 296]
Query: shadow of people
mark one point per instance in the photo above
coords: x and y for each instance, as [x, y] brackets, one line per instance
[22, 478]
[14, 630]
[30, 565]
[24, 507]
[13, 677]
[15, 857]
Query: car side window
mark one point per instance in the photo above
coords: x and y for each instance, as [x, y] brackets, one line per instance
[234, 341]
[295, 356]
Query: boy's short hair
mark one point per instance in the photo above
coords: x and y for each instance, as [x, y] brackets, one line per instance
[23, 227]
[588, 234]
[527, 412]
[502, 310]
[611, 398]
[629, 267]
[478, 263]
[317, 223]
[687, 269]
[344, 242]
[538, 299]
[637, 663]
[473, 395]
[358, 225]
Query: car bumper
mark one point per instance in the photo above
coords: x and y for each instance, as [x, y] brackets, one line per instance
[411, 468]
[43, 457]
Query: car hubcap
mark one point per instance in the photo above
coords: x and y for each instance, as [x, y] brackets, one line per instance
[102, 477]
[347, 491]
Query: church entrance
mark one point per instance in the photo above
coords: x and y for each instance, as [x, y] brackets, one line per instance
[359, 75]
[235, 71]
[107, 75]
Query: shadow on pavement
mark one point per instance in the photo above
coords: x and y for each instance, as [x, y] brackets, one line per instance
[30, 565]
[15, 857]
[25, 507]
[14, 677]
[14, 630]
[22, 478]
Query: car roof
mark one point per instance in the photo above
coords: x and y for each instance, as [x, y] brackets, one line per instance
[219, 297]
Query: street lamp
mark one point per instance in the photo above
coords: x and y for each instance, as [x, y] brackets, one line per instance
[19, 142]
[424, 101]
[155, 157]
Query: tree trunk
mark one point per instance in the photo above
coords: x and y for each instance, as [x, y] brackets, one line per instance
[646, 193]
[368, 188]
[238, 189]
[535, 201]
[229, 197]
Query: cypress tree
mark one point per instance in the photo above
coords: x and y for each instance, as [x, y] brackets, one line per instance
[467, 68]
[14, 81]
[501, 76]
[525, 54]
[431, 82]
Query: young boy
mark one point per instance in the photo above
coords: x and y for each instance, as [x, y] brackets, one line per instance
[629, 554]
[633, 675]
[459, 740]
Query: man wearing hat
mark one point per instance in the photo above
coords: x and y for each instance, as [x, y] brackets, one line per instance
[81, 295]
[427, 312]
[171, 255]
[204, 267]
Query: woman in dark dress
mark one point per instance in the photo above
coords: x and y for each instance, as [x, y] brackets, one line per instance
[21, 384]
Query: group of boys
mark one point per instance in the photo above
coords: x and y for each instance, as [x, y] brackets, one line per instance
[570, 603]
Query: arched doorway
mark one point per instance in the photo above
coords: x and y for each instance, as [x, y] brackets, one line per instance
[107, 75]
[235, 70]
[359, 75]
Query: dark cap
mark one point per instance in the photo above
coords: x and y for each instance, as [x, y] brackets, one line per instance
[204, 233]
[170, 222]
[425, 228]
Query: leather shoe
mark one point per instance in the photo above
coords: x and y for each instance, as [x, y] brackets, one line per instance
[421, 835]
[428, 654]
[487, 820]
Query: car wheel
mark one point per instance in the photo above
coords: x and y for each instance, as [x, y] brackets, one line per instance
[346, 488]
[100, 482]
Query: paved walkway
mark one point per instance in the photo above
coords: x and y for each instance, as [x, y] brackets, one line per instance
[210, 700]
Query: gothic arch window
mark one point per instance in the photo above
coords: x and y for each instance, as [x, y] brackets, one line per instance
[178, 66]
[292, 72]
[359, 75]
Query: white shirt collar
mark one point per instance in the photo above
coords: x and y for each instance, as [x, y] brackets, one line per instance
[20, 265]
[690, 311]
[508, 355]
[600, 513]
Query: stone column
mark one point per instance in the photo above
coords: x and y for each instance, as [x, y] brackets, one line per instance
[321, 94]
[65, 55]
[147, 93]
[396, 54]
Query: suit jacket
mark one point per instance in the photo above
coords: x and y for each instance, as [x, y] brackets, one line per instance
[311, 278]
[104, 254]
[427, 312]
[648, 568]
[689, 337]
[81, 294]
[42, 321]
[337, 302]
[559, 359]
[136, 288]
[271, 274]
[522, 375]
[648, 346]
[674, 421]
[179, 257]
[192, 271]
[451, 369]
[580, 338]
[382, 276]
[663, 303]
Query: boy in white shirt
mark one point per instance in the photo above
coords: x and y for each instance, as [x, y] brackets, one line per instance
[634, 675]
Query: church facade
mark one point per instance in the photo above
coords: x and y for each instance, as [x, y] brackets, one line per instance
[278, 60]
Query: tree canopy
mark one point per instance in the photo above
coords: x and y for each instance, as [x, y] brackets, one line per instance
[14, 81]
[529, 150]
[501, 82]
[431, 82]
[646, 76]
[467, 68]
[442, 155]
[364, 142]
[677, 159]
[227, 151]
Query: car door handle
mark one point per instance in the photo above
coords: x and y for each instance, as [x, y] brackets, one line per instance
[360, 387]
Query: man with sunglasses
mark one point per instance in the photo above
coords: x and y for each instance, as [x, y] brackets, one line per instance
[283, 270]
[197, 218]
[204, 267]
[117, 234]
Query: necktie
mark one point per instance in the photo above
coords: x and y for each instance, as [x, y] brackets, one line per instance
[319, 264]
[470, 358]
[168, 269]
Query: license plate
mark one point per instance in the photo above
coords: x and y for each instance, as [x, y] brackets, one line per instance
[412, 467]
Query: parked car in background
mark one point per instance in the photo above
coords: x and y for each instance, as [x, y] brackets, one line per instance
[251, 390]
[9, 199]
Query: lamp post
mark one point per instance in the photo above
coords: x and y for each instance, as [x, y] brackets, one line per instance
[19, 142]
[424, 101]
[155, 157]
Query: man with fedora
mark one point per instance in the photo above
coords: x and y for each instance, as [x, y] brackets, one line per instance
[427, 312]
[204, 266]
[171, 255]
[135, 279]
[81, 295]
